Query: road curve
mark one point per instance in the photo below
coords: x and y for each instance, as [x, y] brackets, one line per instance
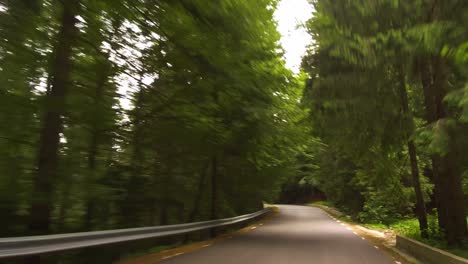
[297, 235]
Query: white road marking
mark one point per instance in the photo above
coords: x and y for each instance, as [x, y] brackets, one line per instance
[363, 238]
[171, 256]
[206, 245]
[348, 228]
[355, 233]
[253, 227]
[376, 247]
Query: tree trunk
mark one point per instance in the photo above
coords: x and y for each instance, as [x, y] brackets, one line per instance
[214, 191]
[214, 187]
[64, 205]
[425, 73]
[131, 202]
[93, 148]
[163, 213]
[52, 123]
[152, 212]
[198, 198]
[449, 169]
[447, 173]
[18, 118]
[163, 220]
[420, 205]
[408, 117]
[94, 143]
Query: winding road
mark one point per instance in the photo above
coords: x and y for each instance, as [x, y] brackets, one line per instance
[297, 235]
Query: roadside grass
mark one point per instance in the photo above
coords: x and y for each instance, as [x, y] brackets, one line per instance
[324, 203]
[408, 227]
[151, 250]
[331, 208]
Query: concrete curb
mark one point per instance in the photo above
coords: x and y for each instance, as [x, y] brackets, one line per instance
[428, 254]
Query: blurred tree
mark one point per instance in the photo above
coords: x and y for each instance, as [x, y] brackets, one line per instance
[364, 82]
[142, 113]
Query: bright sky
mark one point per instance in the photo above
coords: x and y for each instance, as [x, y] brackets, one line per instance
[290, 14]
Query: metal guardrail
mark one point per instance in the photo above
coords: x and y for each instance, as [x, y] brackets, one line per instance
[35, 245]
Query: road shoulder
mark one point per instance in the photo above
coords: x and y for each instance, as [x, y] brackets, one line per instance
[386, 241]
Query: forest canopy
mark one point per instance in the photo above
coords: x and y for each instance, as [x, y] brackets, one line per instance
[208, 129]
[387, 93]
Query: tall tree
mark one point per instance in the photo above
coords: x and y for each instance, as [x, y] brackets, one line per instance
[389, 49]
[47, 164]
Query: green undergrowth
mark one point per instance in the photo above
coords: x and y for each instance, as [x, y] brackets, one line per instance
[152, 250]
[331, 209]
[410, 228]
[322, 203]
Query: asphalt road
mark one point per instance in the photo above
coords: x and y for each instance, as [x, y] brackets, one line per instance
[297, 235]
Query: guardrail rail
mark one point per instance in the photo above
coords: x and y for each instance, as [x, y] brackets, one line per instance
[36, 245]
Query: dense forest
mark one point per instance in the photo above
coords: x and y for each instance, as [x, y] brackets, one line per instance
[125, 113]
[128, 113]
[388, 93]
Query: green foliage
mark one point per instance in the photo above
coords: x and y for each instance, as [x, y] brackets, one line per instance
[409, 227]
[383, 76]
[387, 205]
[174, 111]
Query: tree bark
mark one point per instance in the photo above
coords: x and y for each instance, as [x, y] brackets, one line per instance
[47, 164]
